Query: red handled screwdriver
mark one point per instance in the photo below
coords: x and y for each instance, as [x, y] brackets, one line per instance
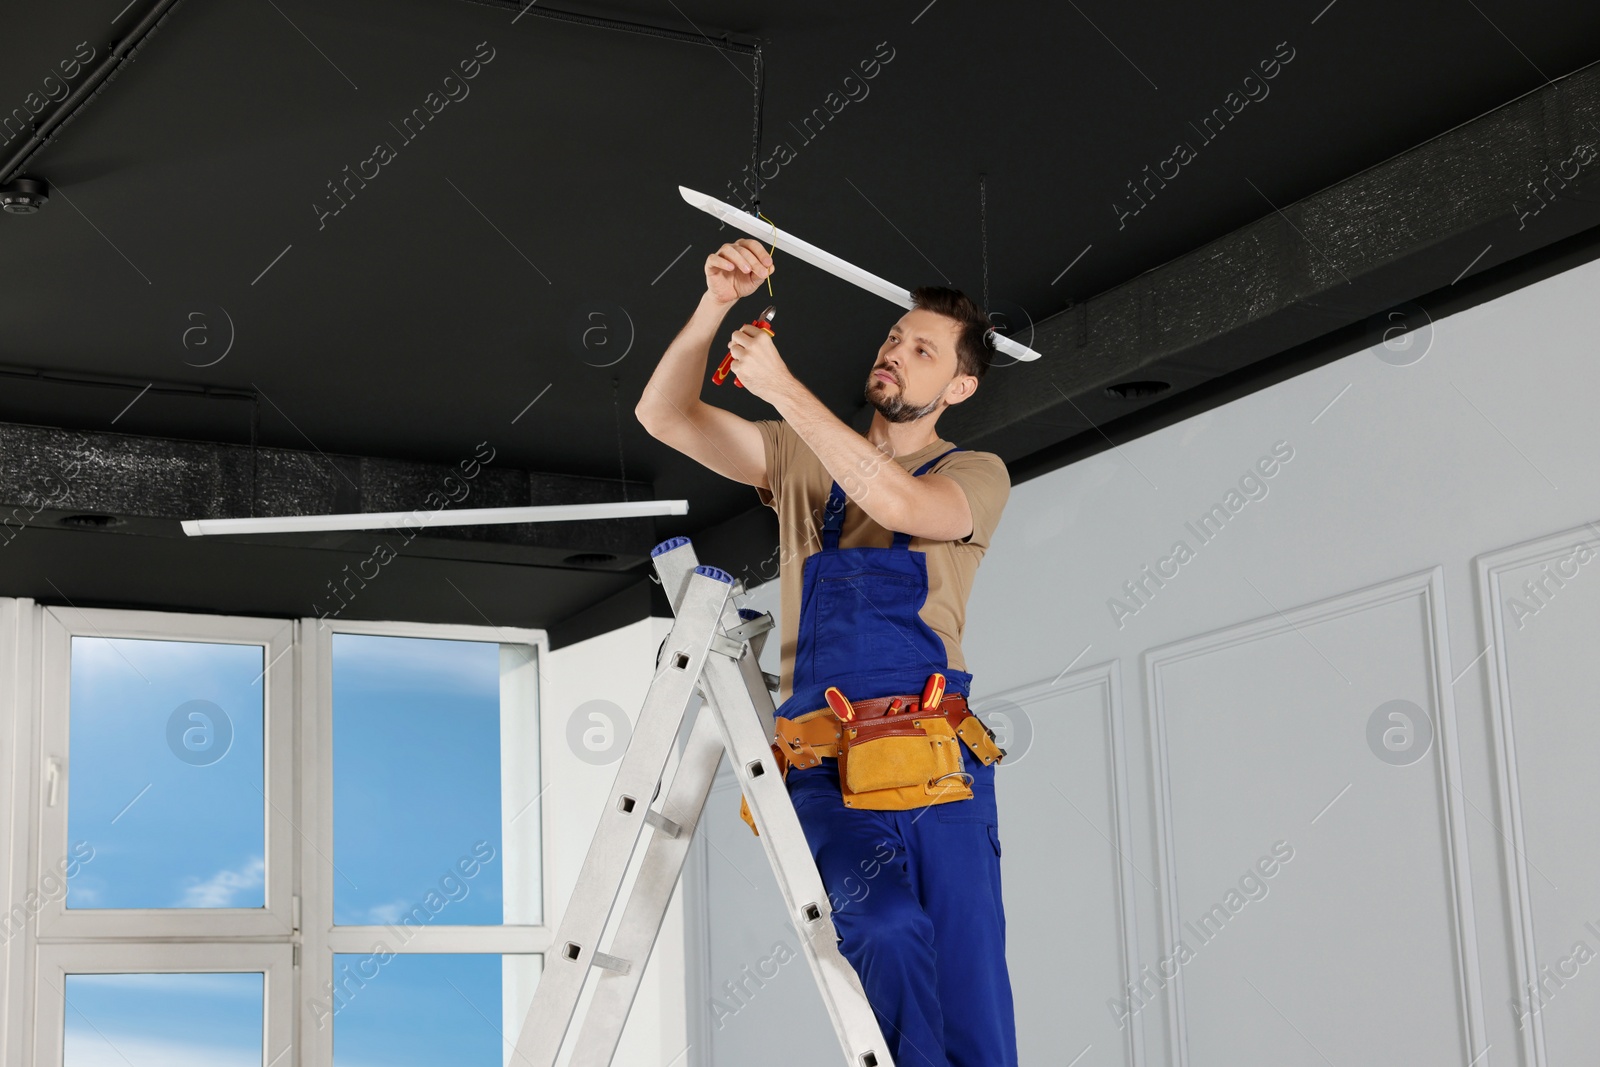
[839, 703]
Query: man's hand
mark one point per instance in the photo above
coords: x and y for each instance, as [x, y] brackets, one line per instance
[737, 269]
[757, 365]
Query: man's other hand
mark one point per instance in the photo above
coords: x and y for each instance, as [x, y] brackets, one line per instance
[736, 270]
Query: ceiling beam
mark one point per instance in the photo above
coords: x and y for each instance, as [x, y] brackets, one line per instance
[123, 484]
[1431, 220]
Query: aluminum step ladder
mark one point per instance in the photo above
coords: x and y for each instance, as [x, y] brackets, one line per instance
[713, 648]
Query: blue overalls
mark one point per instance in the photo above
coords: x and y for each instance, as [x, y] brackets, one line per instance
[915, 893]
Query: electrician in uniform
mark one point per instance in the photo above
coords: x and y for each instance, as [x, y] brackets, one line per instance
[890, 773]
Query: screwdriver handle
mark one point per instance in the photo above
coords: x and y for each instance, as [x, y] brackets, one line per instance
[839, 703]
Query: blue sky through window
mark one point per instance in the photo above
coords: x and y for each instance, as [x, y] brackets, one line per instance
[174, 814]
[420, 1011]
[416, 781]
[163, 1020]
[417, 841]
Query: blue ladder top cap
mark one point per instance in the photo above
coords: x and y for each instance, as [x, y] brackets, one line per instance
[714, 572]
[668, 545]
[749, 613]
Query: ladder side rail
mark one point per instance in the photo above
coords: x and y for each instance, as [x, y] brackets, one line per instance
[735, 691]
[664, 859]
[736, 694]
[606, 1016]
[605, 866]
[607, 1013]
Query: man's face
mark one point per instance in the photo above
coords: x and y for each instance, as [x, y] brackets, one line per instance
[915, 365]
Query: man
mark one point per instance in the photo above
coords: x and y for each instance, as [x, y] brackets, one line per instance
[873, 606]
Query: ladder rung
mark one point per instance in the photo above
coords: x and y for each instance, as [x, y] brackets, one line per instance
[746, 630]
[607, 962]
[662, 824]
[727, 646]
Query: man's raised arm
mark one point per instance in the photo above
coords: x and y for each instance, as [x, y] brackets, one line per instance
[671, 408]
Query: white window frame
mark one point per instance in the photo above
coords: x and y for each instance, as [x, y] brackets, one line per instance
[275, 962]
[276, 637]
[292, 940]
[321, 939]
[16, 688]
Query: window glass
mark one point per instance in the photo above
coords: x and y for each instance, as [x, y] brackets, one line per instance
[165, 774]
[404, 1010]
[163, 1020]
[422, 758]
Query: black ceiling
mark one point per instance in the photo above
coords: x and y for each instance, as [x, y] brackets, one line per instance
[454, 289]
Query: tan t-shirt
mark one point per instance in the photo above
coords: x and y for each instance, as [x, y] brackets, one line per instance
[799, 493]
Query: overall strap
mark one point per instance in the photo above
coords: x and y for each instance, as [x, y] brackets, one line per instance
[833, 518]
[902, 541]
[924, 468]
[833, 513]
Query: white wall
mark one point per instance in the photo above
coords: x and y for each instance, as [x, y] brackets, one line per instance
[1231, 716]
[615, 667]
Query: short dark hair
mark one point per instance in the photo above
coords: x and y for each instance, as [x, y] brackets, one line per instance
[972, 351]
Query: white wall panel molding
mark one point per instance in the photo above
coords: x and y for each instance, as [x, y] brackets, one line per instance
[1508, 612]
[1390, 653]
[1105, 679]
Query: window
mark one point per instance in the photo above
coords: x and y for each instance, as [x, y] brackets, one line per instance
[423, 758]
[268, 842]
[425, 888]
[165, 803]
[168, 771]
[166, 1018]
[132, 1005]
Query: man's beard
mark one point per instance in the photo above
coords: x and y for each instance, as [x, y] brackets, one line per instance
[895, 409]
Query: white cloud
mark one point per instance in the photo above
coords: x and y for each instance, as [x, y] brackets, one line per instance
[219, 890]
[384, 914]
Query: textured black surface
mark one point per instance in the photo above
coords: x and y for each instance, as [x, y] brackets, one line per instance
[84, 514]
[1413, 225]
[453, 290]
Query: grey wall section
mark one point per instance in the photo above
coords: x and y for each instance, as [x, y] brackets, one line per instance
[1318, 786]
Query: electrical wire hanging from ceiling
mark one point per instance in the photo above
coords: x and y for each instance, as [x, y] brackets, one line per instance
[759, 107]
[983, 228]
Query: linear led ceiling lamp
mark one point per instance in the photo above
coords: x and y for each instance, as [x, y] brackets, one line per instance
[807, 252]
[420, 520]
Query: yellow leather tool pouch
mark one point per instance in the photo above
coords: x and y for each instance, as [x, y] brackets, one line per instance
[900, 762]
[980, 740]
[782, 762]
[791, 748]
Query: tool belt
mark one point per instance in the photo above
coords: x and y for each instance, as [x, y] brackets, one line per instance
[888, 762]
